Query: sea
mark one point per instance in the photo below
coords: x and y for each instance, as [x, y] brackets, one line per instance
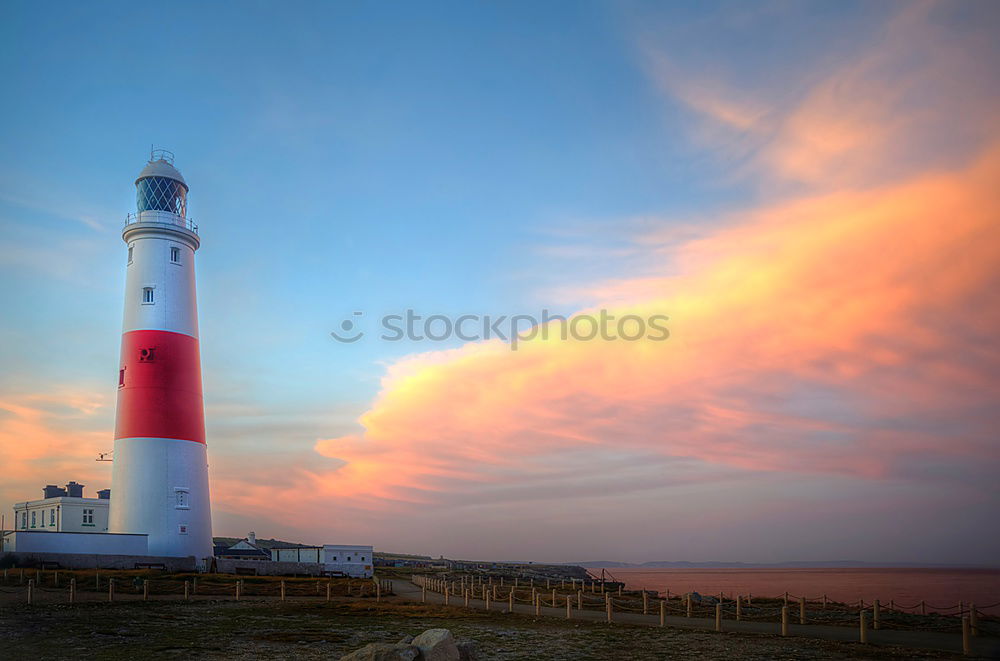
[939, 588]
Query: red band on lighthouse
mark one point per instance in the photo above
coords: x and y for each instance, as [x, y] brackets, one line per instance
[159, 394]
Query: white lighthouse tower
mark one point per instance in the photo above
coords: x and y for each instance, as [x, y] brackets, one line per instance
[159, 483]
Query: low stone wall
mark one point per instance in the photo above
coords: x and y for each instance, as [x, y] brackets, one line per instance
[268, 567]
[93, 561]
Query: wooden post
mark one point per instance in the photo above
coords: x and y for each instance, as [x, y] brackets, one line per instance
[875, 615]
[645, 603]
[466, 591]
[718, 617]
[973, 620]
[486, 599]
[824, 602]
[72, 590]
[194, 585]
[447, 596]
[739, 607]
[31, 591]
[282, 590]
[784, 620]
[55, 578]
[378, 591]
[494, 596]
[238, 589]
[145, 590]
[802, 610]
[749, 598]
[510, 601]
[579, 600]
[187, 590]
[864, 628]
[554, 604]
[111, 589]
[329, 589]
[423, 593]
[97, 580]
[619, 590]
[569, 607]
[548, 583]
[663, 613]
[786, 598]
[966, 642]
[688, 604]
[610, 610]
[923, 607]
[22, 576]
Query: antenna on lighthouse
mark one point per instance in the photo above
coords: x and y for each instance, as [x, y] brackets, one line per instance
[101, 456]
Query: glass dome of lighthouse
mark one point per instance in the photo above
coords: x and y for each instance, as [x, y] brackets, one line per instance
[160, 187]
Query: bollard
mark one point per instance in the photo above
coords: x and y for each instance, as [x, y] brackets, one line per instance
[111, 589]
[875, 615]
[973, 620]
[282, 590]
[739, 607]
[802, 610]
[966, 643]
[718, 617]
[569, 607]
[784, 620]
[145, 590]
[645, 603]
[610, 611]
[328, 590]
[864, 628]
[31, 591]
[663, 613]
[688, 604]
[72, 590]
[187, 590]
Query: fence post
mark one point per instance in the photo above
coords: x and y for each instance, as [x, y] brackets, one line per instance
[378, 592]
[237, 589]
[72, 590]
[187, 590]
[645, 603]
[786, 598]
[554, 604]
[875, 615]
[111, 589]
[784, 620]
[824, 602]
[579, 600]
[466, 592]
[619, 590]
[510, 601]
[486, 599]
[97, 580]
[663, 613]
[802, 610]
[55, 578]
[973, 620]
[864, 628]
[538, 603]
[423, 592]
[569, 607]
[447, 600]
[194, 585]
[966, 643]
[923, 607]
[31, 591]
[739, 607]
[328, 590]
[610, 609]
[282, 590]
[688, 604]
[718, 617]
[145, 590]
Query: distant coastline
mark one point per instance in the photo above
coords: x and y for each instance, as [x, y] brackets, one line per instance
[797, 564]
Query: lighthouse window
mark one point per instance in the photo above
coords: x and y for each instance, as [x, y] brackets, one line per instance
[121, 378]
[130, 254]
[147, 295]
[175, 255]
[183, 499]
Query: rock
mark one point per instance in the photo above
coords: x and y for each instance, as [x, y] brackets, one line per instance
[406, 640]
[384, 652]
[467, 651]
[437, 645]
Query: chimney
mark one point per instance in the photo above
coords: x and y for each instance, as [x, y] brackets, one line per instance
[52, 491]
[252, 538]
[74, 490]
[104, 494]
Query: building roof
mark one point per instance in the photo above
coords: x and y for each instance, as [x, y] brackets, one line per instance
[161, 168]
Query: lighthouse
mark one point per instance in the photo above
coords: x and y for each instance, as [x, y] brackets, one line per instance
[159, 480]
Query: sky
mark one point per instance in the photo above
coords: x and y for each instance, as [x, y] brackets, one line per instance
[806, 190]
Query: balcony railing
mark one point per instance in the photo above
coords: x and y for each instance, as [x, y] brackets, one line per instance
[164, 217]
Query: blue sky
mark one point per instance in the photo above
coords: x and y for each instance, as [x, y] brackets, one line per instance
[453, 157]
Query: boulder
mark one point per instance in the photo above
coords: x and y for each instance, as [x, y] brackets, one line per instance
[437, 645]
[384, 652]
[467, 651]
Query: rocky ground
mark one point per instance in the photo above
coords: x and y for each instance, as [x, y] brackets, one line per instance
[312, 630]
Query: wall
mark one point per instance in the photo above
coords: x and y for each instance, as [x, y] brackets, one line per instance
[269, 568]
[36, 541]
[87, 561]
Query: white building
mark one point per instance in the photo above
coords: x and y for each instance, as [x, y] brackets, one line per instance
[64, 510]
[349, 560]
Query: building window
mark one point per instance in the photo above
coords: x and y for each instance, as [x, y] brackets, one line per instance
[147, 295]
[32, 519]
[24, 520]
[121, 378]
[88, 517]
[130, 254]
[175, 255]
[52, 517]
[182, 529]
[183, 498]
